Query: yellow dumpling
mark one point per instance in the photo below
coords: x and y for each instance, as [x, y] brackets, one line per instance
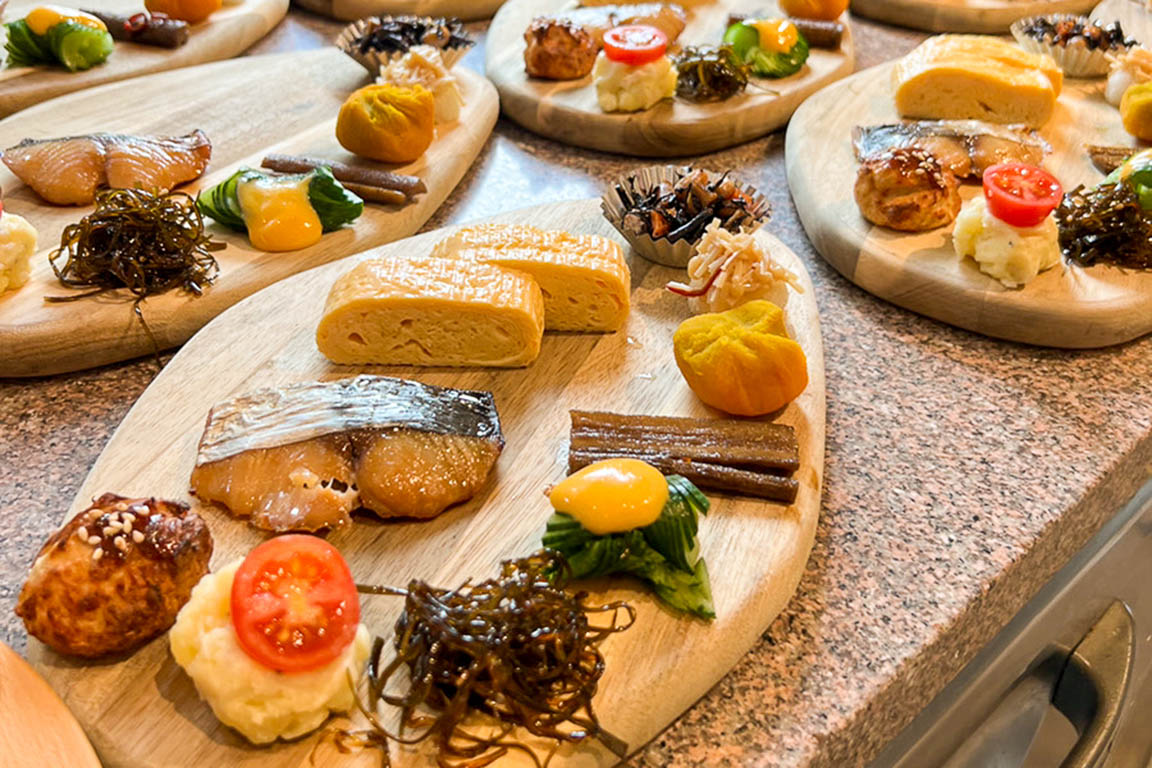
[389, 123]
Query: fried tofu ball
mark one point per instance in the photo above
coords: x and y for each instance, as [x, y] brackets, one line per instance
[906, 189]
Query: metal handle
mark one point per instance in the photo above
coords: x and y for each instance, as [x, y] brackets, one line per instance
[1093, 685]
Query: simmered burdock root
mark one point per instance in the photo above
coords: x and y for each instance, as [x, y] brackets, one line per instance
[405, 473]
[304, 486]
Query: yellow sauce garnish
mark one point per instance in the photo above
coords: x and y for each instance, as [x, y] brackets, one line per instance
[1141, 159]
[43, 17]
[612, 496]
[278, 213]
[777, 35]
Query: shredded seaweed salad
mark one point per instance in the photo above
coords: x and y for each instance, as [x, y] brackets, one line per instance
[137, 240]
[518, 648]
[665, 554]
[1105, 224]
[709, 73]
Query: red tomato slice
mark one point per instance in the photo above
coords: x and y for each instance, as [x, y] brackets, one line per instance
[294, 603]
[1021, 195]
[636, 44]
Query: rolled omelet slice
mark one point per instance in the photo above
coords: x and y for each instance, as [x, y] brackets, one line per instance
[429, 311]
[585, 280]
[973, 77]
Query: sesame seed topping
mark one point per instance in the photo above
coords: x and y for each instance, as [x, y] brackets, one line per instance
[109, 530]
[137, 536]
[129, 518]
[82, 532]
[121, 543]
[97, 553]
[93, 540]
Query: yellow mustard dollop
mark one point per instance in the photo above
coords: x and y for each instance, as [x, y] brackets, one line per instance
[278, 214]
[612, 496]
[43, 17]
[777, 35]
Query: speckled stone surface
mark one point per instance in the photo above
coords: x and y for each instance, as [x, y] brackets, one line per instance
[961, 473]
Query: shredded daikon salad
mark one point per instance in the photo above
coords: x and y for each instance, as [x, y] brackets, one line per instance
[729, 269]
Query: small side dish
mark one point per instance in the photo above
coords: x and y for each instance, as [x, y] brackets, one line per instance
[624, 516]
[424, 65]
[770, 47]
[970, 77]
[749, 458]
[191, 11]
[57, 36]
[906, 189]
[281, 212]
[632, 72]
[378, 40]
[69, 170]
[304, 456]
[114, 576]
[741, 361]
[274, 642]
[1079, 45]
[390, 123]
[145, 28]
[1009, 230]
[17, 245]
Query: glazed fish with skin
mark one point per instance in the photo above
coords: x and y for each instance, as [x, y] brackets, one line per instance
[304, 456]
[669, 18]
[69, 170]
[964, 148]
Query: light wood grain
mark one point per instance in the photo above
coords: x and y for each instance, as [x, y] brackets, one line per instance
[36, 728]
[227, 33]
[975, 16]
[143, 712]
[1066, 306]
[350, 10]
[248, 107]
[568, 111]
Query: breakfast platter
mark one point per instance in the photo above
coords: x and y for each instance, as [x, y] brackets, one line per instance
[142, 711]
[570, 110]
[226, 33]
[970, 16]
[284, 103]
[350, 10]
[1070, 305]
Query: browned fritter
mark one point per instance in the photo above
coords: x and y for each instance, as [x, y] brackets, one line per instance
[906, 189]
[115, 575]
[558, 50]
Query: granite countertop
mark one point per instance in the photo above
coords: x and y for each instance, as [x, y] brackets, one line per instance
[961, 473]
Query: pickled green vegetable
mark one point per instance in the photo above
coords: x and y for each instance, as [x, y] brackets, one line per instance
[744, 38]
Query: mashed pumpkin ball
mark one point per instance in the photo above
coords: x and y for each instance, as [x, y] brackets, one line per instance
[261, 703]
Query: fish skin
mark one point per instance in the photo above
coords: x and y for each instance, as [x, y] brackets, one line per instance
[68, 170]
[963, 147]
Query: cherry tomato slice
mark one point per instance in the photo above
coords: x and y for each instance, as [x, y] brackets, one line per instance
[294, 603]
[635, 44]
[1021, 195]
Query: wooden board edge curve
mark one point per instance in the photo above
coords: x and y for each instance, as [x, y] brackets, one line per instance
[944, 16]
[352, 10]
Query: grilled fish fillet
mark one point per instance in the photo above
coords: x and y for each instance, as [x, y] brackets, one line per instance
[304, 456]
[667, 17]
[964, 148]
[69, 170]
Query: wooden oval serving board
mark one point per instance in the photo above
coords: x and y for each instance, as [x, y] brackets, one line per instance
[974, 16]
[143, 712]
[351, 10]
[227, 33]
[1066, 306]
[567, 111]
[249, 108]
[36, 728]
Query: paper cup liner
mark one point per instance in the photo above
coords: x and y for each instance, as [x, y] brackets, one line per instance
[662, 250]
[374, 60]
[1076, 59]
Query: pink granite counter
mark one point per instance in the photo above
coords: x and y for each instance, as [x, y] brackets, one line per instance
[961, 473]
